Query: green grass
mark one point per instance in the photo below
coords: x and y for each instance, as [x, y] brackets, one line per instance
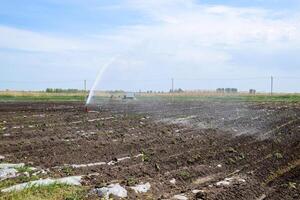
[17, 180]
[25, 169]
[237, 98]
[50, 192]
[81, 97]
[184, 174]
[264, 98]
[14, 181]
[27, 98]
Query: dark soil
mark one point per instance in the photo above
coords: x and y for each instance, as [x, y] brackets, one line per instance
[197, 143]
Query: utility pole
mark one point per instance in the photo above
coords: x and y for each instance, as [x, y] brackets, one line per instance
[272, 85]
[172, 85]
[84, 85]
[172, 91]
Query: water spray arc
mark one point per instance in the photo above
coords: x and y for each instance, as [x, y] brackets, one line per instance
[103, 70]
[99, 77]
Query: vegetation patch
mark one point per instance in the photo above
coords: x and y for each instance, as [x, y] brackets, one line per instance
[17, 180]
[145, 157]
[78, 95]
[282, 171]
[278, 155]
[131, 181]
[51, 192]
[184, 174]
[41, 96]
[68, 171]
[24, 169]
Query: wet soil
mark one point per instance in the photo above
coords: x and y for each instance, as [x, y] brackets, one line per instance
[256, 145]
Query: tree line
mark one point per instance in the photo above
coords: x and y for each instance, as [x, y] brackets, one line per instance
[60, 90]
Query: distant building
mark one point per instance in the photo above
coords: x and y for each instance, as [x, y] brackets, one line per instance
[220, 90]
[129, 95]
[252, 91]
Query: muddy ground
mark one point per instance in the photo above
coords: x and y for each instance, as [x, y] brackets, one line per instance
[213, 150]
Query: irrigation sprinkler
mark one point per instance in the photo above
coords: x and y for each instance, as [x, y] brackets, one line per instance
[86, 109]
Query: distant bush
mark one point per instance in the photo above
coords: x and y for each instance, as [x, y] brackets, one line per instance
[115, 91]
[179, 90]
[227, 90]
[59, 90]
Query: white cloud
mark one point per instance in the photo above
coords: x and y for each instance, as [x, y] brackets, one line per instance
[184, 38]
[19, 39]
[191, 40]
[219, 24]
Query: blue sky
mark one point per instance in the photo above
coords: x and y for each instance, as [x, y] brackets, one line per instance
[53, 43]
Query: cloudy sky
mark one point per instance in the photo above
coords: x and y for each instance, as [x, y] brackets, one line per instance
[202, 44]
